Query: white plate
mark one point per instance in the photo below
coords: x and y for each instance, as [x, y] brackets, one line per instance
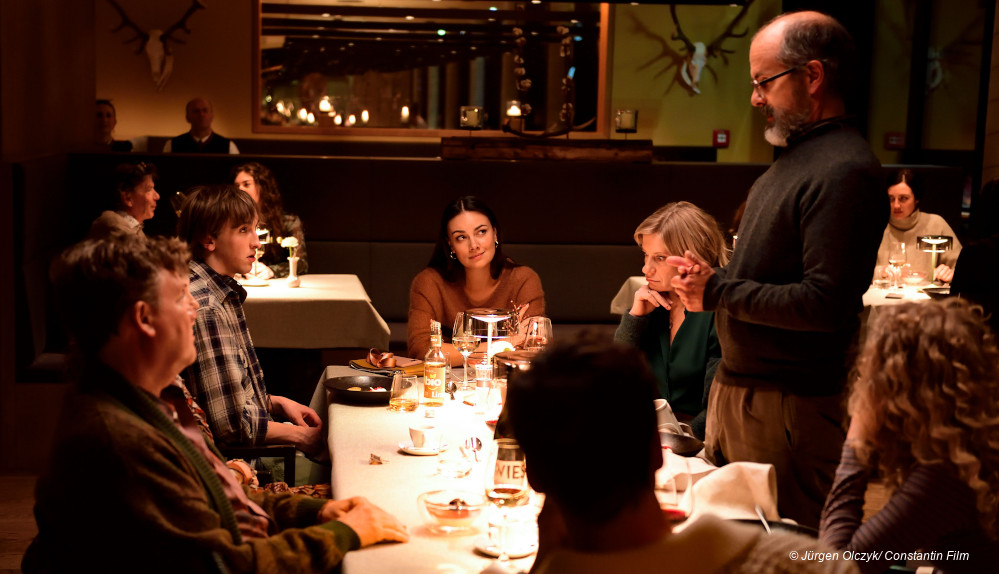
[483, 545]
[254, 283]
[407, 447]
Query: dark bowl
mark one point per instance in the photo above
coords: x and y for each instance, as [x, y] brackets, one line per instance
[778, 526]
[343, 389]
[680, 444]
[937, 292]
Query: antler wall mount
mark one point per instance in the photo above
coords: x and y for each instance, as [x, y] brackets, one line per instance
[155, 43]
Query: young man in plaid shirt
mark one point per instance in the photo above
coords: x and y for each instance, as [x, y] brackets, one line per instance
[219, 223]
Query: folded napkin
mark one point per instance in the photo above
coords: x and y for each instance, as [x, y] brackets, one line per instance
[733, 491]
[685, 469]
[381, 363]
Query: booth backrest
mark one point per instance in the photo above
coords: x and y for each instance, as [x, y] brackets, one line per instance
[378, 217]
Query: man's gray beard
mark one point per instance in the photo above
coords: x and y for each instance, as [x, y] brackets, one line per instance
[786, 123]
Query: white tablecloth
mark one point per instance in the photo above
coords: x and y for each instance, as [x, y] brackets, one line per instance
[327, 311]
[356, 432]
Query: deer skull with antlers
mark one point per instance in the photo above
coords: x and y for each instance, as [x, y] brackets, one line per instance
[155, 42]
[692, 59]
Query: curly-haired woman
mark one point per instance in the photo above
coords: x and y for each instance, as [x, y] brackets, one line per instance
[925, 414]
[255, 179]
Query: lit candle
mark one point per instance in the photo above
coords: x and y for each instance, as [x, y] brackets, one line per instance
[513, 109]
[364, 116]
[303, 114]
[471, 117]
[351, 120]
[404, 114]
[626, 120]
[324, 104]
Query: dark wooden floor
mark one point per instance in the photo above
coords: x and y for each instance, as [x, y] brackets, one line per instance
[17, 525]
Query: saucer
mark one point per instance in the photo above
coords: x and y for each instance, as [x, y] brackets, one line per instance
[407, 447]
[484, 546]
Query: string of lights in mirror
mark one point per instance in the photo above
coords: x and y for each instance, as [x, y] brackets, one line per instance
[381, 67]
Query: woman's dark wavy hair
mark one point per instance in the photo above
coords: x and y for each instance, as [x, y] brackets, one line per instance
[441, 260]
[271, 208]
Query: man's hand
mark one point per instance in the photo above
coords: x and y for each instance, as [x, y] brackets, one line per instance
[371, 523]
[693, 277]
[646, 301]
[296, 413]
[943, 273]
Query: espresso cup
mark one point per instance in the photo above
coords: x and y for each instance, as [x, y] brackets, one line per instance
[425, 436]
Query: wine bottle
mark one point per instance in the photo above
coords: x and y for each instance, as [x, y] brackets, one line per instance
[434, 369]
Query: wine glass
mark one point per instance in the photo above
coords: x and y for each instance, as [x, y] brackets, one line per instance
[896, 258]
[264, 236]
[538, 333]
[671, 492]
[506, 484]
[463, 340]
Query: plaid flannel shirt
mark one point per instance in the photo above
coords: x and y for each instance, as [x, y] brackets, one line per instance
[226, 379]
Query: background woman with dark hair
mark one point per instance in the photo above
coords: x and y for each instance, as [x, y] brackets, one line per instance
[256, 180]
[907, 223]
[467, 269]
[925, 414]
[134, 201]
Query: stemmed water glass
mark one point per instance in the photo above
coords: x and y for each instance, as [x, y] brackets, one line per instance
[463, 340]
[896, 258]
[538, 333]
[264, 236]
[506, 484]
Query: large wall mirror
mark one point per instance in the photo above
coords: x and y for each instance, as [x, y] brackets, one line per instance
[381, 67]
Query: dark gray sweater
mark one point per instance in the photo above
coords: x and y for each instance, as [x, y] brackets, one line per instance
[787, 304]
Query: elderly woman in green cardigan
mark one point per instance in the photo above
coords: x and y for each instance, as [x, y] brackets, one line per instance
[681, 346]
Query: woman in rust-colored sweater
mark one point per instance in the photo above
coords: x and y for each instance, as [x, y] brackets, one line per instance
[467, 269]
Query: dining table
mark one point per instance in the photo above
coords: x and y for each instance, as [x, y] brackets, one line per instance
[357, 432]
[325, 312]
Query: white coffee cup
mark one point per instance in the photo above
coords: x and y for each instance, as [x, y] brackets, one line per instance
[425, 436]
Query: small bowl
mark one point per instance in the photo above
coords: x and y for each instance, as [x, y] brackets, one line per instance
[450, 511]
[914, 278]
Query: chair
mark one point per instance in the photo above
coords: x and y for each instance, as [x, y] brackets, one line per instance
[286, 452]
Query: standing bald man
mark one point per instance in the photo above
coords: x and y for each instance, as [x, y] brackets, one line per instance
[201, 139]
[787, 305]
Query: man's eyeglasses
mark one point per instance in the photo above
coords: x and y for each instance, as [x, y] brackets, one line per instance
[758, 84]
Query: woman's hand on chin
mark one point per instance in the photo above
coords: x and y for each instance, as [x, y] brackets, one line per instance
[647, 300]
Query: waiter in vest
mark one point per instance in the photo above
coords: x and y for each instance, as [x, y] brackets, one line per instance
[201, 138]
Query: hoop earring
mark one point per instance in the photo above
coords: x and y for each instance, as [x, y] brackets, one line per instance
[453, 256]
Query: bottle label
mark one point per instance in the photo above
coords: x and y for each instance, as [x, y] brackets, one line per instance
[435, 340]
[433, 381]
[509, 472]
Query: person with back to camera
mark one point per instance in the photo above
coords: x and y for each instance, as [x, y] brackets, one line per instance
[925, 416]
[787, 305]
[907, 223]
[107, 119]
[200, 139]
[681, 347]
[258, 181]
[131, 484]
[135, 198]
[596, 462]
[468, 269]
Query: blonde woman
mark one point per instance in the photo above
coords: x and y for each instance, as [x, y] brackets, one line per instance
[681, 346]
[925, 414]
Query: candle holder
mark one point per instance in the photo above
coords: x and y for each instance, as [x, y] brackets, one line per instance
[626, 122]
[934, 245]
[471, 118]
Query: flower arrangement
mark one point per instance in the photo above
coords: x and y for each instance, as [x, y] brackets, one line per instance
[290, 243]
